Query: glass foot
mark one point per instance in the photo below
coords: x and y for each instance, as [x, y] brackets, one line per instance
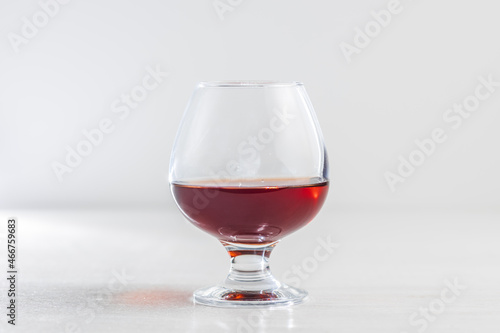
[221, 296]
[250, 282]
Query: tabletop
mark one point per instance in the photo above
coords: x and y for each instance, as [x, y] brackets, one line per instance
[373, 270]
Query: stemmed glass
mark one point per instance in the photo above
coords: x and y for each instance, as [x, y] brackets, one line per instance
[249, 167]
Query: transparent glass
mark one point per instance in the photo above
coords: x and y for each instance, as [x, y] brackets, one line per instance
[249, 167]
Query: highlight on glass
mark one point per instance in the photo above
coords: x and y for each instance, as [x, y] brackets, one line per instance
[249, 167]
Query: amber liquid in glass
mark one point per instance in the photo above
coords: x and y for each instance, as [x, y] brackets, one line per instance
[249, 213]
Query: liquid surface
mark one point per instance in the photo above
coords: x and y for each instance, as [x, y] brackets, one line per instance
[251, 214]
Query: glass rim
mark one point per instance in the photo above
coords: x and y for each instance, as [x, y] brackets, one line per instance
[248, 84]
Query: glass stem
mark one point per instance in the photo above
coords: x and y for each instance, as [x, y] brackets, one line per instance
[250, 268]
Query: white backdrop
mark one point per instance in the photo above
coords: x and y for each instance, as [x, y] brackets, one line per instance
[67, 67]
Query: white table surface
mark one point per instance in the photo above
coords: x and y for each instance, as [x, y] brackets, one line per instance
[387, 266]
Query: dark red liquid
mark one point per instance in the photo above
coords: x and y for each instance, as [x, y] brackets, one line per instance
[250, 214]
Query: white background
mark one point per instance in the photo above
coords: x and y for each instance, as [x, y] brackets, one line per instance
[371, 110]
[397, 250]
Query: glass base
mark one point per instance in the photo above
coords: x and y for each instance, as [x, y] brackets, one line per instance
[250, 282]
[221, 296]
